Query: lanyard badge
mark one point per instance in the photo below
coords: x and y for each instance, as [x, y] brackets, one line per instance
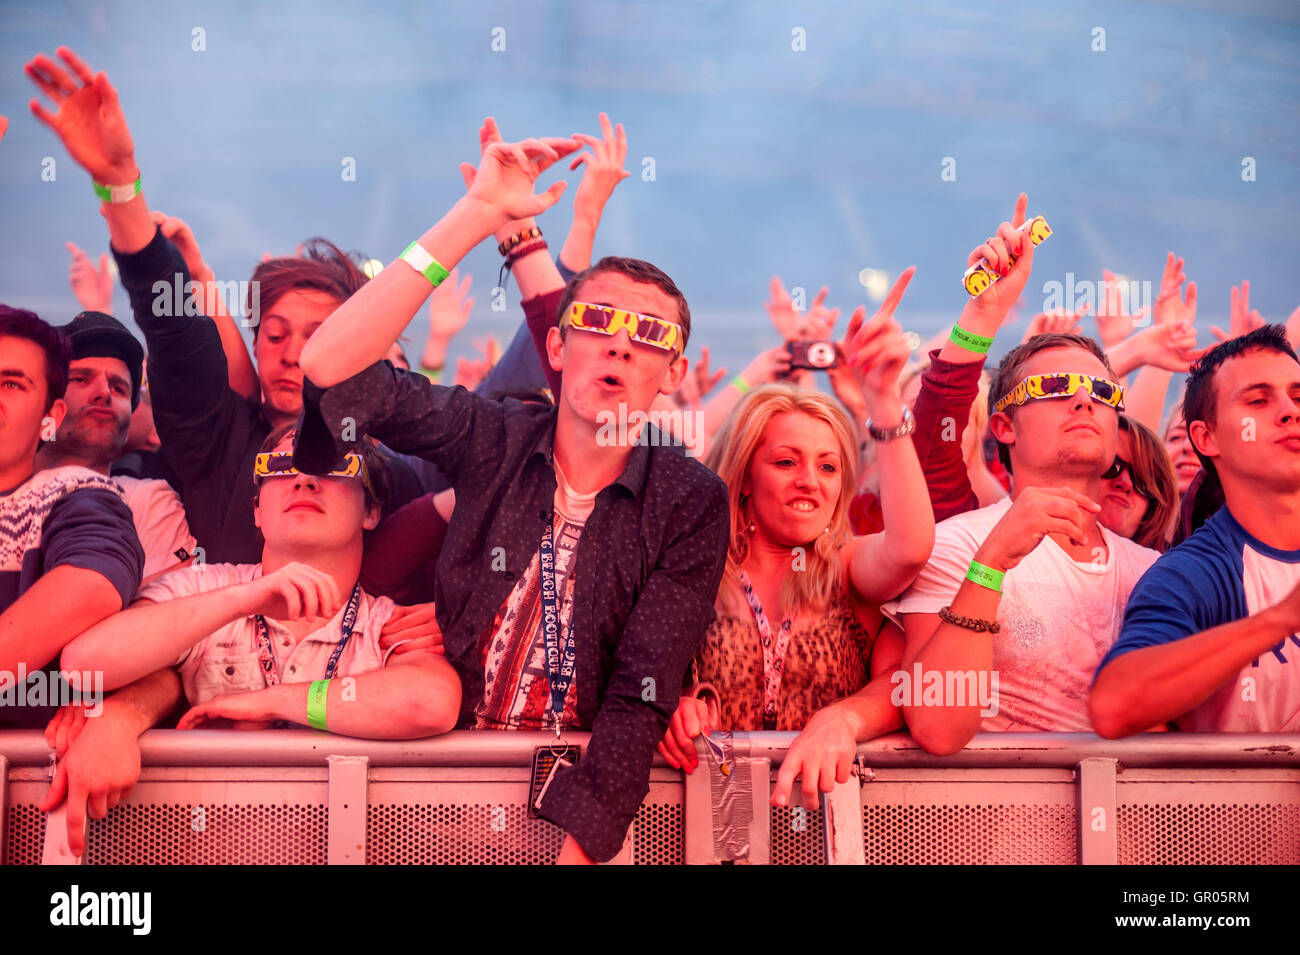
[561, 661]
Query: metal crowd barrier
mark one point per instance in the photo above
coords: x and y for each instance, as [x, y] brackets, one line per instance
[276, 797]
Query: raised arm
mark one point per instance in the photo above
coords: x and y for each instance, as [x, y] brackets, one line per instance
[239, 364]
[604, 172]
[362, 329]
[883, 565]
[951, 383]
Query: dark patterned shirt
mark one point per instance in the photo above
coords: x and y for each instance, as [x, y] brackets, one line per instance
[647, 570]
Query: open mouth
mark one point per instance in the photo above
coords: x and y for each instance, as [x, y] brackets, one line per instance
[803, 505]
[611, 381]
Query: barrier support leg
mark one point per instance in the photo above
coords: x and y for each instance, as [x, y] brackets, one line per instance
[842, 819]
[1097, 823]
[349, 782]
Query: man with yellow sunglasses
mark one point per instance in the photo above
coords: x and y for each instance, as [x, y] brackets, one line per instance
[1030, 590]
[578, 574]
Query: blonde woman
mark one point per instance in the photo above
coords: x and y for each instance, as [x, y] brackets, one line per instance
[799, 642]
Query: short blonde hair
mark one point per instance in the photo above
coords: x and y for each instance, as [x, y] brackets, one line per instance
[731, 456]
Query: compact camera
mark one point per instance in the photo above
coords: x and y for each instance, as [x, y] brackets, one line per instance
[816, 356]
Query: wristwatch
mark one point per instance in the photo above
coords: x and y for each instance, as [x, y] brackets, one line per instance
[889, 434]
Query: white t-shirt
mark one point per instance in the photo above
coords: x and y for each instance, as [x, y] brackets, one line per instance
[160, 522]
[227, 661]
[1059, 618]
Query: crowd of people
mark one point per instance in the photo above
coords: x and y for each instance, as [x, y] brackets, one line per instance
[319, 534]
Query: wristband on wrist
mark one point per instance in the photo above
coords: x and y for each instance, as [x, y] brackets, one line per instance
[741, 385]
[971, 342]
[418, 258]
[523, 249]
[519, 237]
[316, 694]
[985, 576]
[968, 623]
[116, 194]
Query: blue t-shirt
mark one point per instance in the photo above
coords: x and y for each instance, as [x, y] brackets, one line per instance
[1218, 575]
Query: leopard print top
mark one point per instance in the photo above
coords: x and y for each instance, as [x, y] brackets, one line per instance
[828, 660]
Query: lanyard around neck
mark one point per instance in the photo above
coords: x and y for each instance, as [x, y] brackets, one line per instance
[774, 651]
[561, 660]
[267, 659]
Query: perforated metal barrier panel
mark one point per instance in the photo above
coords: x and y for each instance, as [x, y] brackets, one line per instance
[970, 817]
[1193, 817]
[410, 814]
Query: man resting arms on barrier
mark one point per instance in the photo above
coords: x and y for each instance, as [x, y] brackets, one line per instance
[294, 639]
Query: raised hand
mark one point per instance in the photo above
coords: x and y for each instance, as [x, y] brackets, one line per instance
[998, 250]
[471, 371]
[293, 592]
[1114, 323]
[1241, 317]
[1059, 322]
[507, 172]
[818, 322]
[604, 171]
[92, 286]
[1170, 305]
[767, 366]
[449, 309]
[179, 234]
[876, 351]
[4, 125]
[780, 308]
[89, 118]
[1293, 329]
[699, 382]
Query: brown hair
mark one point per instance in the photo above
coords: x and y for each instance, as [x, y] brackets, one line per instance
[1007, 375]
[20, 323]
[319, 266]
[1200, 399]
[638, 271]
[1151, 466]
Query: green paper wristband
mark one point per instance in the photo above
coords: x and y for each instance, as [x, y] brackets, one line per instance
[976, 343]
[985, 576]
[741, 385]
[117, 193]
[316, 694]
[418, 258]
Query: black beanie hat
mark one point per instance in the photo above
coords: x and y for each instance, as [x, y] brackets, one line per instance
[96, 335]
